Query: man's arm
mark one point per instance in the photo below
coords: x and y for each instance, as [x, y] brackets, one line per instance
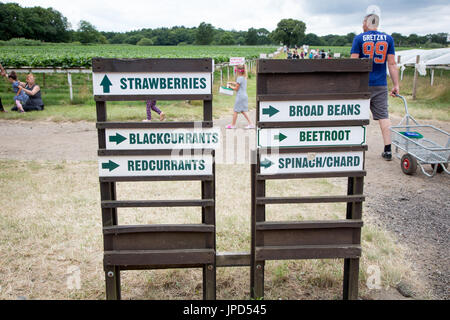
[393, 72]
[354, 55]
[2, 71]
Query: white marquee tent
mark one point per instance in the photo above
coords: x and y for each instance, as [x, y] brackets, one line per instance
[429, 59]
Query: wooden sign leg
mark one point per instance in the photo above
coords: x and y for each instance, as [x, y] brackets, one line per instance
[351, 272]
[351, 266]
[258, 215]
[209, 218]
[112, 276]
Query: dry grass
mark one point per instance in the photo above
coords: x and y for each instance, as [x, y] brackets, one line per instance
[50, 219]
[432, 102]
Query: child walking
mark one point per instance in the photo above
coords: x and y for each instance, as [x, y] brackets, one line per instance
[20, 97]
[241, 103]
[151, 105]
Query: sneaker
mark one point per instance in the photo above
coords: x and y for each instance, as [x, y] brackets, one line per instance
[230, 127]
[162, 116]
[387, 156]
[146, 120]
[250, 126]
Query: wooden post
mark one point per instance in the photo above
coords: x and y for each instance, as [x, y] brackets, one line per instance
[351, 266]
[69, 80]
[414, 90]
[432, 77]
[398, 62]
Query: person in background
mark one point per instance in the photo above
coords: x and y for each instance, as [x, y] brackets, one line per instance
[241, 104]
[1, 106]
[151, 105]
[33, 91]
[323, 54]
[310, 55]
[20, 98]
[302, 54]
[296, 55]
[3, 74]
[379, 47]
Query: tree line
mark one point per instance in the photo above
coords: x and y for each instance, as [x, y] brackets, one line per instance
[49, 25]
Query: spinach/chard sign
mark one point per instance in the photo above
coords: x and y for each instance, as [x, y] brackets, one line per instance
[140, 83]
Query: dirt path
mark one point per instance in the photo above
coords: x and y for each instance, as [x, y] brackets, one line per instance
[415, 208]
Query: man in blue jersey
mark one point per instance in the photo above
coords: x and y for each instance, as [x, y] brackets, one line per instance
[379, 47]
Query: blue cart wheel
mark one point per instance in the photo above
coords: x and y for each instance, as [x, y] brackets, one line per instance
[408, 164]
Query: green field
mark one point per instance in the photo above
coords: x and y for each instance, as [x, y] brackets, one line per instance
[71, 56]
[431, 103]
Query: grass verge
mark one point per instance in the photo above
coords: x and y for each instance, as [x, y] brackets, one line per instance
[51, 223]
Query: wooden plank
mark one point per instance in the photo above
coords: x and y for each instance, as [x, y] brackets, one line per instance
[158, 203]
[162, 266]
[310, 224]
[311, 65]
[163, 240]
[320, 149]
[155, 152]
[155, 125]
[152, 97]
[301, 124]
[313, 96]
[312, 83]
[152, 65]
[313, 199]
[158, 257]
[312, 175]
[156, 178]
[126, 229]
[233, 259]
[295, 234]
[308, 252]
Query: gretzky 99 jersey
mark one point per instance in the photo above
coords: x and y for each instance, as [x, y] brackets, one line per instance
[376, 46]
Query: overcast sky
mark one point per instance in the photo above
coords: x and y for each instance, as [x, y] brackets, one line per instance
[321, 16]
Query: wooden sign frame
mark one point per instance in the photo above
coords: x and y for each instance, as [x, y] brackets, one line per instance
[156, 246]
[297, 80]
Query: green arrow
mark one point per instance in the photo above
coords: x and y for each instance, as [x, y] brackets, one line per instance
[280, 137]
[105, 84]
[266, 163]
[270, 111]
[118, 138]
[110, 165]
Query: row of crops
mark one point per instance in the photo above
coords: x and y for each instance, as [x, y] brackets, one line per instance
[80, 56]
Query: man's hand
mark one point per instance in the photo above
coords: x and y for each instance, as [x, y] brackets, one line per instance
[395, 90]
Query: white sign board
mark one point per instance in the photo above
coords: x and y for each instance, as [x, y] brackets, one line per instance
[336, 55]
[151, 139]
[139, 83]
[263, 55]
[310, 163]
[133, 166]
[311, 137]
[235, 61]
[314, 110]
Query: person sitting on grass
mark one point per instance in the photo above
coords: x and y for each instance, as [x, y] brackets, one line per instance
[33, 91]
[241, 104]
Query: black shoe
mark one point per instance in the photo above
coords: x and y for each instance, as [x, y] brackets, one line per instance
[387, 156]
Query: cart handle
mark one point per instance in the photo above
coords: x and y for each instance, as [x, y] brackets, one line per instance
[405, 103]
[407, 115]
